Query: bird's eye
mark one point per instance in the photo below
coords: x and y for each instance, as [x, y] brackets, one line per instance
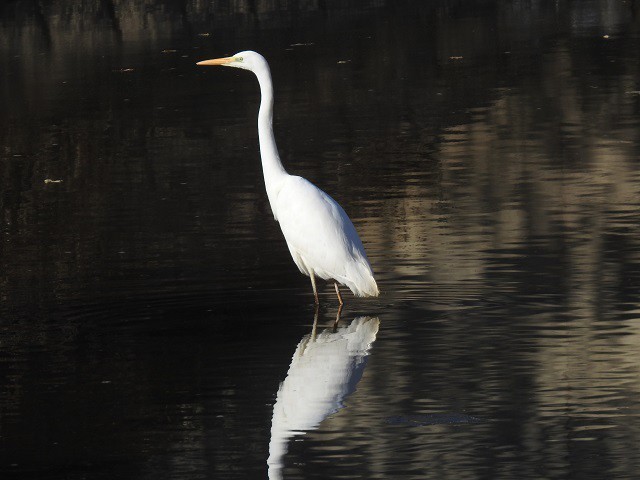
[238, 59]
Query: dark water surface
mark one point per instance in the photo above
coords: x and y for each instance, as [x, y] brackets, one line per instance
[152, 324]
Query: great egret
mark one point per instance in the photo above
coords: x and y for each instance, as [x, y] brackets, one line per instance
[321, 238]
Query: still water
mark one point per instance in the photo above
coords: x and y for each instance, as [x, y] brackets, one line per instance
[152, 324]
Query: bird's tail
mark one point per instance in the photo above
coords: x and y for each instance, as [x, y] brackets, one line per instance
[360, 280]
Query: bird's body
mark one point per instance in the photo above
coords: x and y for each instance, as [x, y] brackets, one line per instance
[324, 243]
[321, 238]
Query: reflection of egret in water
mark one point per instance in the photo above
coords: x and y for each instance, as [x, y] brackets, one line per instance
[325, 368]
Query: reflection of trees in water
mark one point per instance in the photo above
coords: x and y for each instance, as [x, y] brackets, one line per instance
[533, 210]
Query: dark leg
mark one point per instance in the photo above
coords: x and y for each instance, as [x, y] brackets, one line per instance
[315, 324]
[313, 284]
[338, 293]
[335, 324]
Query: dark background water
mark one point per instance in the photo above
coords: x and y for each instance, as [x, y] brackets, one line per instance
[488, 153]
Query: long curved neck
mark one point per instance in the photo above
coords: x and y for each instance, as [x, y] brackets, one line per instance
[271, 165]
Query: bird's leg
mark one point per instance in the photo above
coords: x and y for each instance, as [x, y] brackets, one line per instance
[313, 284]
[335, 324]
[338, 293]
[315, 324]
[311, 338]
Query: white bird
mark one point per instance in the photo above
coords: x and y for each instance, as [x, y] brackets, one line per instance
[321, 238]
[324, 370]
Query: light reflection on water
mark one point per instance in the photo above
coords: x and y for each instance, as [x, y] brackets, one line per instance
[326, 367]
[488, 155]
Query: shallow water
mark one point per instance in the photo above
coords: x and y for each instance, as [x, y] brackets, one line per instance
[488, 154]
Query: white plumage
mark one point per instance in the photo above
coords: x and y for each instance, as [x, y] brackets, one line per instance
[321, 238]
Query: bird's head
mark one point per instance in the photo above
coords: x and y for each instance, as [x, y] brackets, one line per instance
[246, 60]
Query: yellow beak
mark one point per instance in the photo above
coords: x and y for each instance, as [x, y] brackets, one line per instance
[216, 61]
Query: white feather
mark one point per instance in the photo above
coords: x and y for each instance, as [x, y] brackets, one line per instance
[321, 237]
